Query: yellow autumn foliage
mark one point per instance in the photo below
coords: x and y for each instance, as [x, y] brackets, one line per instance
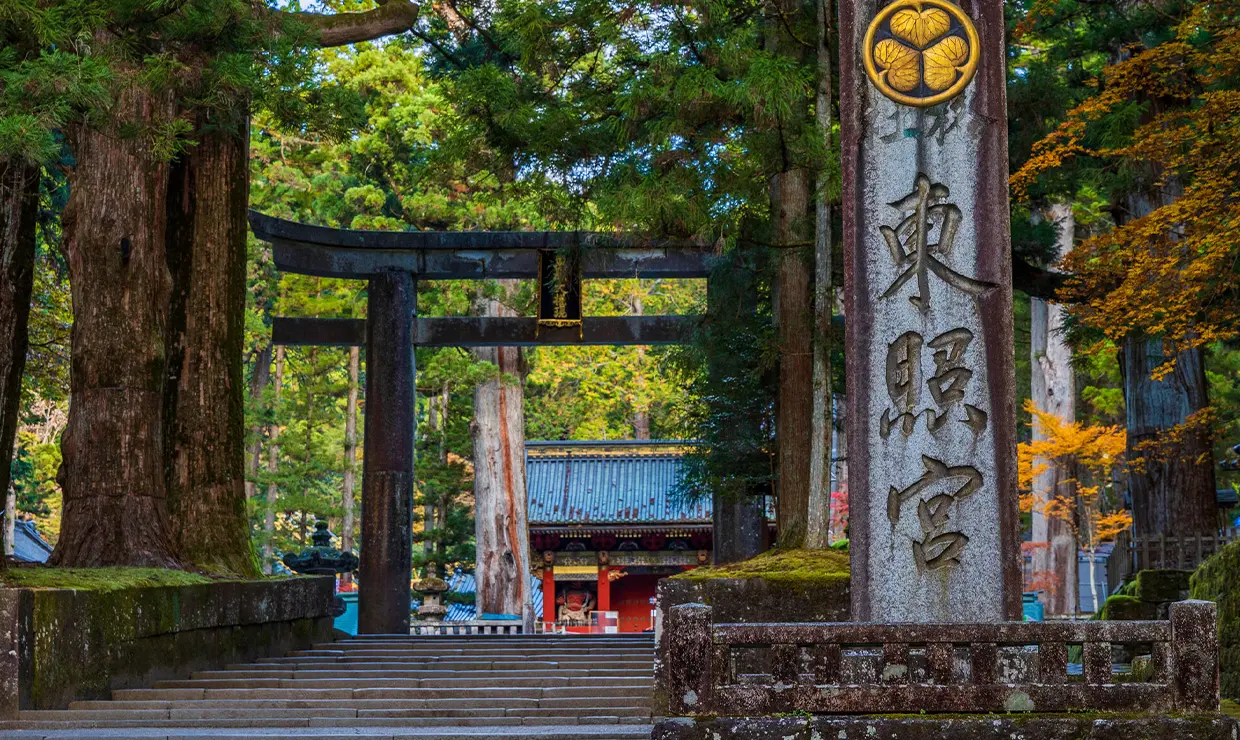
[1095, 453]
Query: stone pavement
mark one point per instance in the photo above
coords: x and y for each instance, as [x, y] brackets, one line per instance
[430, 688]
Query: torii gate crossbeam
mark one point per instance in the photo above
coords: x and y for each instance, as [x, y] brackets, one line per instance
[393, 263]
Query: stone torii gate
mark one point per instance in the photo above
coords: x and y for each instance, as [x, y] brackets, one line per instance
[393, 263]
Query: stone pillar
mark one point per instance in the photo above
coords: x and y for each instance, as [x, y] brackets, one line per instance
[387, 488]
[931, 401]
[738, 529]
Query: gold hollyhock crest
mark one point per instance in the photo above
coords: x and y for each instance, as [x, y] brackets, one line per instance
[921, 52]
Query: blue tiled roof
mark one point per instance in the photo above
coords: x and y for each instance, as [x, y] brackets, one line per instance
[28, 545]
[608, 483]
[463, 583]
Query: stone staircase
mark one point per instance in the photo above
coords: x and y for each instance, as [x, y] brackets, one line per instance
[431, 688]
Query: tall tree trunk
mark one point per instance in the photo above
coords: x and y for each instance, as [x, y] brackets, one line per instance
[793, 314]
[1053, 389]
[350, 455]
[259, 381]
[641, 405]
[498, 429]
[793, 305]
[204, 402]
[1171, 482]
[273, 464]
[818, 531]
[112, 474]
[19, 203]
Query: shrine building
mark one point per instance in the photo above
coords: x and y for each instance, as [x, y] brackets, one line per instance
[606, 523]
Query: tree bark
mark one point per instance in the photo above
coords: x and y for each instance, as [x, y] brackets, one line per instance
[273, 464]
[1053, 390]
[793, 304]
[818, 521]
[259, 381]
[499, 477]
[350, 456]
[641, 402]
[793, 312]
[112, 475]
[1171, 482]
[204, 403]
[19, 203]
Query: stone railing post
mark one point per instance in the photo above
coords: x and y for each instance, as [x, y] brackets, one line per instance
[690, 654]
[1194, 645]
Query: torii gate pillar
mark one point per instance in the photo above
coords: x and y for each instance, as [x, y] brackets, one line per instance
[387, 486]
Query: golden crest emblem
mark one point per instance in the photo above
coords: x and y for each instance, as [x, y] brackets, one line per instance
[921, 52]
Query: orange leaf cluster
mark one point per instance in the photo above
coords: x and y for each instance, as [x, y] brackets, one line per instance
[1095, 453]
[1171, 272]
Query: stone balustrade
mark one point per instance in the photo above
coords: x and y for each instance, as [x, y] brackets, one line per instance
[863, 668]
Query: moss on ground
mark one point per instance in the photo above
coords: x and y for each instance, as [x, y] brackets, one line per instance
[781, 566]
[98, 579]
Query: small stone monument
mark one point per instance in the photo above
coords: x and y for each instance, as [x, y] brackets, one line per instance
[931, 402]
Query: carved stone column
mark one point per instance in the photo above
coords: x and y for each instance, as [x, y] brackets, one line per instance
[931, 417]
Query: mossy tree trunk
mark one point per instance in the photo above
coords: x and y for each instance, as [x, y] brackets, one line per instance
[204, 411]
[19, 202]
[112, 475]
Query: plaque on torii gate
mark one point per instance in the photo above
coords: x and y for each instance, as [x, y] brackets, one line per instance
[931, 402]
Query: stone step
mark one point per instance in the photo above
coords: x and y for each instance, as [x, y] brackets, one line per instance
[367, 692]
[442, 707]
[599, 728]
[411, 673]
[471, 654]
[620, 640]
[433, 717]
[343, 662]
[350, 722]
[399, 683]
[538, 643]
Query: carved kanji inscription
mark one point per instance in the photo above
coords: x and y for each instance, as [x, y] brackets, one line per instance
[911, 248]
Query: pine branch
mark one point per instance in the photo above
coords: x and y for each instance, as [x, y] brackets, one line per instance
[338, 29]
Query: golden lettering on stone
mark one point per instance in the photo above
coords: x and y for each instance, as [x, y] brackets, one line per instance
[921, 52]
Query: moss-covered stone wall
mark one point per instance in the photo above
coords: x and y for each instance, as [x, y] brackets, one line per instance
[776, 586]
[1218, 580]
[75, 644]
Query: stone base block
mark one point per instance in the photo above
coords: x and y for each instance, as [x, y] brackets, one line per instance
[979, 727]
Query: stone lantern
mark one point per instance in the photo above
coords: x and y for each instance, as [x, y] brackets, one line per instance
[432, 590]
[322, 560]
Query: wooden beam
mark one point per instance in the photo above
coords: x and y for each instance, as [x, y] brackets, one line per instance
[470, 255]
[494, 331]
